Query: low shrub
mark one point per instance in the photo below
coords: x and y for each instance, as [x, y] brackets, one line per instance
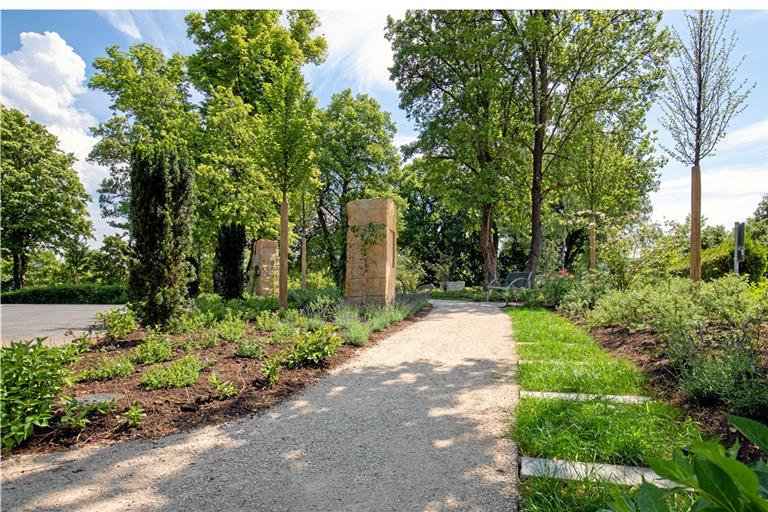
[323, 306]
[249, 348]
[107, 368]
[312, 348]
[222, 389]
[356, 332]
[346, 315]
[191, 322]
[271, 368]
[266, 321]
[182, 372]
[33, 376]
[299, 299]
[155, 348]
[75, 415]
[134, 415]
[583, 294]
[68, 294]
[202, 340]
[232, 327]
[118, 323]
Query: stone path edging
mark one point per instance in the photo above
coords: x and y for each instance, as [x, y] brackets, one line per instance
[570, 470]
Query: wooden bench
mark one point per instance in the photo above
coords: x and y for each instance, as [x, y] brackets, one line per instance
[512, 281]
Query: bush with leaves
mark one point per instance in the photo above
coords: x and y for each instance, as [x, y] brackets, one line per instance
[134, 415]
[107, 367]
[222, 389]
[33, 376]
[182, 372]
[155, 348]
[75, 415]
[583, 294]
[721, 482]
[232, 327]
[249, 348]
[118, 323]
[312, 348]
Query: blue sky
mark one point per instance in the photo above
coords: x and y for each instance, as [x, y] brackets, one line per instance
[47, 57]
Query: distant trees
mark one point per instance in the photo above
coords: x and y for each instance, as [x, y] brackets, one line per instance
[44, 202]
[161, 213]
[701, 96]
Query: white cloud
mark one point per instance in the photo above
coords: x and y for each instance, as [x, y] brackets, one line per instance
[42, 79]
[755, 133]
[729, 194]
[122, 21]
[357, 50]
[401, 139]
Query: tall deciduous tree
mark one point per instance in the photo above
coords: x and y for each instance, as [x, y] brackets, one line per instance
[701, 97]
[240, 52]
[150, 98]
[613, 174]
[286, 147]
[356, 158]
[161, 213]
[44, 202]
[446, 67]
[569, 66]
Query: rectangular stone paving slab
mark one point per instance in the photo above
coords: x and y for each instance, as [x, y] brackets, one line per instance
[570, 470]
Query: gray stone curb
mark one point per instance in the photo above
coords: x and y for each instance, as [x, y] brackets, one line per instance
[570, 470]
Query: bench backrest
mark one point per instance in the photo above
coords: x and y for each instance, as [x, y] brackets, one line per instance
[520, 279]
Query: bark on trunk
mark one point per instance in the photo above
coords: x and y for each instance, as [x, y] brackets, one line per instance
[592, 243]
[540, 86]
[19, 270]
[695, 223]
[283, 279]
[487, 247]
[303, 262]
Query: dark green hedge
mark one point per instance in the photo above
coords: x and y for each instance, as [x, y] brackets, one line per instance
[68, 294]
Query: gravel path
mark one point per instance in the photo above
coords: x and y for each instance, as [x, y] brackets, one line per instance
[414, 423]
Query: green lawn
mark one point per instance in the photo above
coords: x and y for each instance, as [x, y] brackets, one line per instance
[606, 376]
[539, 325]
[552, 495]
[561, 351]
[599, 431]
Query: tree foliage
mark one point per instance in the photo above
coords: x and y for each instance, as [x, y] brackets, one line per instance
[356, 158]
[150, 98]
[162, 209]
[44, 202]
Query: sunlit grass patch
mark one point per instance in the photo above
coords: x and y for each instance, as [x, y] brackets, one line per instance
[539, 325]
[599, 431]
[603, 377]
[563, 352]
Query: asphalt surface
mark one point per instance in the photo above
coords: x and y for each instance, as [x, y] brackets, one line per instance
[28, 321]
[415, 423]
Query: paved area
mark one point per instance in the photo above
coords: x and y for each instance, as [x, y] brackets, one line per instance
[415, 423]
[27, 321]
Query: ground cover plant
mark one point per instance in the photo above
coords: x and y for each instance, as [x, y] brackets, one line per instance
[181, 377]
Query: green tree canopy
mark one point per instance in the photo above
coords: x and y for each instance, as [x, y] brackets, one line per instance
[150, 98]
[356, 158]
[44, 202]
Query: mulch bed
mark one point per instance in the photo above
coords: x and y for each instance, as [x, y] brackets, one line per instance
[644, 349]
[181, 409]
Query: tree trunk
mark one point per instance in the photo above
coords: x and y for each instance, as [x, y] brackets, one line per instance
[541, 115]
[19, 269]
[695, 223]
[283, 279]
[303, 262]
[592, 243]
[487, 247]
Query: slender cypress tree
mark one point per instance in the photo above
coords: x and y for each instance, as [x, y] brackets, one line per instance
[162, 201]
[230, 259]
